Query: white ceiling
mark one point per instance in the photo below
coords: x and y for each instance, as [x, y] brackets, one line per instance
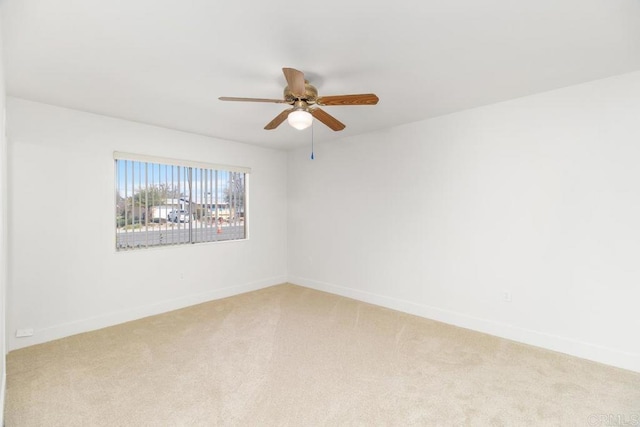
[166, 62]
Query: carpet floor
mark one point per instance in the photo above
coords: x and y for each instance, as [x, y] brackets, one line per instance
[292, 356]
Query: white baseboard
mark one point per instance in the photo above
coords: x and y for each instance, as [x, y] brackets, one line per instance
[85, 325]
[560, 344]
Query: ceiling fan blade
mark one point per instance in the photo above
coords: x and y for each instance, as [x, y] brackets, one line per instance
[295, 80]
[360, 99]
[231, 98]
[327, 119]
[278, 120]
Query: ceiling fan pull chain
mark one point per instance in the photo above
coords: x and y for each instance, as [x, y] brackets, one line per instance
[312, 157]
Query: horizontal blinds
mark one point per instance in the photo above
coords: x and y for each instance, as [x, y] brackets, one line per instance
[118, 155]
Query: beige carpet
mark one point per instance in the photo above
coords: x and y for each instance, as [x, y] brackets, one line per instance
[288, 355]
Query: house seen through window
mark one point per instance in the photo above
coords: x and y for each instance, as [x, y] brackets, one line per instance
[163, 202]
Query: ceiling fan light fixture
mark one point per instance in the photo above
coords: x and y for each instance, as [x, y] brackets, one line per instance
[300, 119]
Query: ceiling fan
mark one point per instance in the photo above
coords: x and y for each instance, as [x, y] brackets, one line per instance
[304, 99]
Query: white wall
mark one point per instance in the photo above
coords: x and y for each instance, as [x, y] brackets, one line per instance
[539, 196]
[3, 234]
[65, 276]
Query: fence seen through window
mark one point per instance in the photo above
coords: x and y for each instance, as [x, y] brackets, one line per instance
[170, 202]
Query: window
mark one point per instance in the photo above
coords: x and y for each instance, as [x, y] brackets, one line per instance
[162, 202]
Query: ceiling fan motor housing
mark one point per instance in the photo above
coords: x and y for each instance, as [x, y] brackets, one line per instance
[310, 93]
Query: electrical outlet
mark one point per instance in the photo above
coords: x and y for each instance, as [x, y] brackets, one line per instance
[506, 296]
[22, 333]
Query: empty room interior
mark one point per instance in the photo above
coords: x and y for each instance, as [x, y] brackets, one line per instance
[320, 213]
